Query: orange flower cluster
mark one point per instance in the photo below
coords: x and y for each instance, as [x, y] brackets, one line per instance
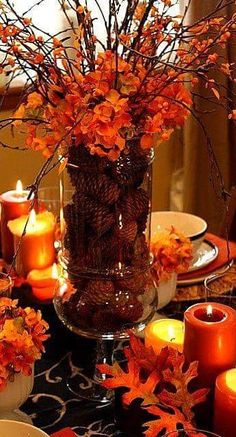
[101, 117]
[22, 333]
[139, 86]
[172, 252]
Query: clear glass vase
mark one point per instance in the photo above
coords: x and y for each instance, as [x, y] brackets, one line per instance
[105, 247]
[107, 287]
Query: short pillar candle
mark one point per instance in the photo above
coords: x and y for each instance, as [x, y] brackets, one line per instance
[225, 404]
[210, 340]
[14, 203]
[165, 332]
[36, 250]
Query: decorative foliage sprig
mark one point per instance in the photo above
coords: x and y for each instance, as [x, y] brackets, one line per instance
[162, 384]
[172, 252]
[138, 83]
[22, 334]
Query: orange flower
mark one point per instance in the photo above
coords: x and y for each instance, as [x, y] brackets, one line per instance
[172, 252]
[34, 100]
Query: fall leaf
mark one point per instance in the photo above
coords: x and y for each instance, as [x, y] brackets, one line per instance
[165, 421]
[176, 376]
[161, 381]
[131, 380]
[145, 357]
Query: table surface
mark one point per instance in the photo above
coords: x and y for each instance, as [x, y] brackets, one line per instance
[52, 406]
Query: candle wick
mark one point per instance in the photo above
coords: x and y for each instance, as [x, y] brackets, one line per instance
[172, 339]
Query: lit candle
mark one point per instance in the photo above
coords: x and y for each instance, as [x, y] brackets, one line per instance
[36, 250]
[165, 332]
[209, 339]
[44, 282]
[14, 203]
[225, 404]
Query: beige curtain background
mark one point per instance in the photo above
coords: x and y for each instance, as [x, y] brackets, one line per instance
[190, 151]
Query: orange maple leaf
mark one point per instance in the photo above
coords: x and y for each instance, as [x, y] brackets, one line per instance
[132, 382]
[166, 421]
[180, 380]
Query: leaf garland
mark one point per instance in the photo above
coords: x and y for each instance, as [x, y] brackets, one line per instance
[161, 382]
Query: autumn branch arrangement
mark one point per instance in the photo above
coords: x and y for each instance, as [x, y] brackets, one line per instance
[140, 80]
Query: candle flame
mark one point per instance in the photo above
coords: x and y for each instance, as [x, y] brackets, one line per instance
[209, 310]
[171, 333]
[54, 271]
[19, 187]
[32, 218]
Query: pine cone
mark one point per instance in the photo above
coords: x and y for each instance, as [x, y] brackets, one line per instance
[98, 216]
[134, 205]
[142, 222]
[75, 229]
[79, 156]
[128, 232]
[79, 312]
[127, 309]
[134, 284]
[141, 252]
[99, 187]
[103, 252]
[103, 321]
[99, 292]
[130, 168]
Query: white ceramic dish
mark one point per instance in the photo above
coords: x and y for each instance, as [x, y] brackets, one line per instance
[192, 226]
[10, 428]
[206, 253]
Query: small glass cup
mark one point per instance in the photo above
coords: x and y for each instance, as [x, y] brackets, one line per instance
[221, 287]
[191, 433]
[5, 285]
[49, 198]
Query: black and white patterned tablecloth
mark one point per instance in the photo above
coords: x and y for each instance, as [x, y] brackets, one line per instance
[52, 406]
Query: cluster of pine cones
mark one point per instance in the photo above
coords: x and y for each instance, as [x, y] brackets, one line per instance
[106, 305]
[105, 224]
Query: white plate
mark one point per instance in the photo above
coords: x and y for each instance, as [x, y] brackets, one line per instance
[206, 253]
[198, 279]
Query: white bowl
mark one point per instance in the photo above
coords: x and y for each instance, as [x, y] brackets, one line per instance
[166, 291]
[192, 226]
[10, 428]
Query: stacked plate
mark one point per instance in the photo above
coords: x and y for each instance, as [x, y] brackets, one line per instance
[204, 256]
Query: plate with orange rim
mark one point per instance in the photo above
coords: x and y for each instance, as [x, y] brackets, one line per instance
[197, 280]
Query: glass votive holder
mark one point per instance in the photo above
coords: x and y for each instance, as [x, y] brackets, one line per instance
[49, 198]
[190, 433]
[221, 287]
[5, 285]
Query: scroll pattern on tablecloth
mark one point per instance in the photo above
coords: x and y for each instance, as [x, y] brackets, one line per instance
[56, 407]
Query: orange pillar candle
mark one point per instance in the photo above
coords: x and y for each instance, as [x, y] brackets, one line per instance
[210, 340]
[36, 250]
[44, 282]
[165, 332]
[225, 404]
[14, 203]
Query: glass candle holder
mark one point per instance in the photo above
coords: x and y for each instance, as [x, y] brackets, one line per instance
[221, 287]
[5, 285]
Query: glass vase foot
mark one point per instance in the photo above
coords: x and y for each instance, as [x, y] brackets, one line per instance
[93, 392]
